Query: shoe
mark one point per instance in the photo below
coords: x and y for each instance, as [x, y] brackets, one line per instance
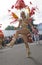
[29, 54]
[8, 45]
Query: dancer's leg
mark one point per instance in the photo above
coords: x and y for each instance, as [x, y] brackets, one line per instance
[16, 36]
[12, 42]
[26, 45]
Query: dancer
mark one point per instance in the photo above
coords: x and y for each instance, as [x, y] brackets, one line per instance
[24, 31]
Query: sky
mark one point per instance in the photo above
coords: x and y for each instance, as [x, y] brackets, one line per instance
[5, 17]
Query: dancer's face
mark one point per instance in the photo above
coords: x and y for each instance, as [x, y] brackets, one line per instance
[23, 15]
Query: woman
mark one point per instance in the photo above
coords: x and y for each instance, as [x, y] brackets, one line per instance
[24, 31]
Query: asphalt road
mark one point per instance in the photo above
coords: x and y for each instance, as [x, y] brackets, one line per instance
[17, 55]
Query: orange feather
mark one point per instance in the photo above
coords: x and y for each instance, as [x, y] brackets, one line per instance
[14, 15]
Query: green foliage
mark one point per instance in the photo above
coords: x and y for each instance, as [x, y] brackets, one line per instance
[9, 28]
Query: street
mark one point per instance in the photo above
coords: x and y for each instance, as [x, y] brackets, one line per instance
[17, 55]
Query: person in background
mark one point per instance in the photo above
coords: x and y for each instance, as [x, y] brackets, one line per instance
[35, 34]
[1, 38]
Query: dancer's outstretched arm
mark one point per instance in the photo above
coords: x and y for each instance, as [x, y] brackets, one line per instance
[20, 21]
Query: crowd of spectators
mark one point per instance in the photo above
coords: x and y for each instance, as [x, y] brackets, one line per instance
[6, 40]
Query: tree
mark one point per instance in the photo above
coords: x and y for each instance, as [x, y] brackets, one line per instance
[9, 28]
